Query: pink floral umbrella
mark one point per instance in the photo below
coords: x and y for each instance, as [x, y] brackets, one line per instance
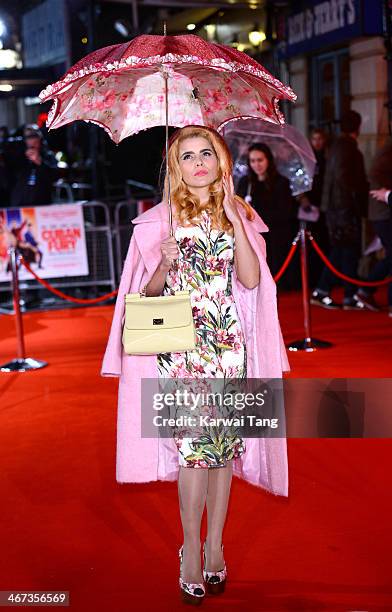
[126, 88]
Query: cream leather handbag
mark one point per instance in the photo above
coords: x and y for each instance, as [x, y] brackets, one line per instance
[161, 324]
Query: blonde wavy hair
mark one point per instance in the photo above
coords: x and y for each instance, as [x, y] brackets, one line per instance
[186, 206]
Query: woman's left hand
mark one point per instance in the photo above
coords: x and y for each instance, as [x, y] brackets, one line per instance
[229, 203]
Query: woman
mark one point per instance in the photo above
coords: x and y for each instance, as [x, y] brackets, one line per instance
[270, 195]
[205, 211]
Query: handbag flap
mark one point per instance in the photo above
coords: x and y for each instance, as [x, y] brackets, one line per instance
[158, 313]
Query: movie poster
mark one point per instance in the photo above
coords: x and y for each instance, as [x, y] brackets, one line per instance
[50, 238]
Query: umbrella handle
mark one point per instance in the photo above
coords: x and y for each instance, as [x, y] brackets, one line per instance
[166, 77]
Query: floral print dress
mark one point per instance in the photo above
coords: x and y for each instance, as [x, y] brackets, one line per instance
[205, 269]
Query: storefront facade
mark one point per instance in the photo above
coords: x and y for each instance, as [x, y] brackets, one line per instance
[334, 55]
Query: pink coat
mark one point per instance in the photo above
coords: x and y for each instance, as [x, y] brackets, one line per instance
[264, 464]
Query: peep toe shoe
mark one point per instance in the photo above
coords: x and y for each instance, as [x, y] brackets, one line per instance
[192, 592]
[215, 581]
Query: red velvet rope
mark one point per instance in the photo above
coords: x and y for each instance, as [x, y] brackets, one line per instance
[286, 262]
[277, 276]
[354, 281]
[113, 293]
[70, 298]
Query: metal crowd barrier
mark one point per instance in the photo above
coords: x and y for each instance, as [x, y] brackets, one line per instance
[122, 229]
[98, 233]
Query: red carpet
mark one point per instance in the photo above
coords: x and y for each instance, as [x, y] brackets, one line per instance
[66, 523]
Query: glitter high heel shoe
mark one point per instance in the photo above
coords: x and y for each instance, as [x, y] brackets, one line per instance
[215, 581]
[192, 592]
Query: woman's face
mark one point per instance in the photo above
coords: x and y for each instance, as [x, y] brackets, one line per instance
[258, 161]
[318, 141]
[198, 162]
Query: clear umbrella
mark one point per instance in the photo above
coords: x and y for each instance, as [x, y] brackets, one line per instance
[293, 154]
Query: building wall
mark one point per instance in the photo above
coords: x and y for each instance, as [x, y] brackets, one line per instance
[369, 79]
[368, 84]
[14, 112]
[299, 110]
[9, 113]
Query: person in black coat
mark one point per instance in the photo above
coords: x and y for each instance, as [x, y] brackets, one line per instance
[380, 214]
[269, 193]
[344, 201]
[34, 171]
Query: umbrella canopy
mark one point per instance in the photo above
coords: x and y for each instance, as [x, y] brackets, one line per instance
[122, 87]
[293, 154]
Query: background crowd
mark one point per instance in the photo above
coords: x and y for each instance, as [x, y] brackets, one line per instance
[28, 168]
[342, 193]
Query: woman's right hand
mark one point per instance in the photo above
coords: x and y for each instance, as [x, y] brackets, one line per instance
[170, 252]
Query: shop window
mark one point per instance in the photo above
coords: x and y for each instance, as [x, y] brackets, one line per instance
[330, 89]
